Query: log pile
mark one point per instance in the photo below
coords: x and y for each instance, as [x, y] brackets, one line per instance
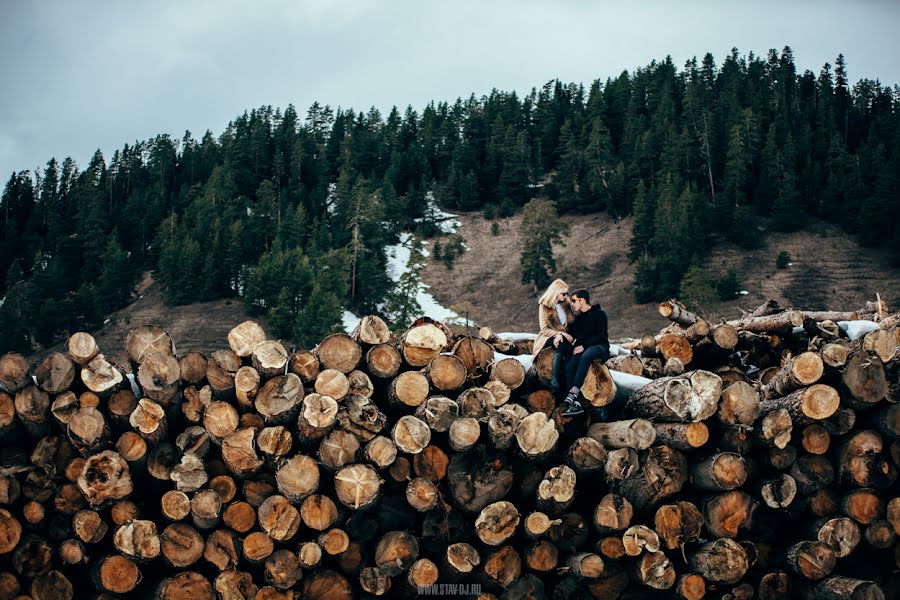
[758, 460]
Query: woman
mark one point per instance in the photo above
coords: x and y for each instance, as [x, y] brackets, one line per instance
[554, 316]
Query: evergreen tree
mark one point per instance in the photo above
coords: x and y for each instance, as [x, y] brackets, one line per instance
[116, 278]
[402, 305]
[642, 230]
[539, 230]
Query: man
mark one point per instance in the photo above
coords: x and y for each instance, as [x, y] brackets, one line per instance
[591, 342]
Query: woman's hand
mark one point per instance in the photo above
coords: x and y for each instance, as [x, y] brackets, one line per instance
[578, 350]
[557, 339]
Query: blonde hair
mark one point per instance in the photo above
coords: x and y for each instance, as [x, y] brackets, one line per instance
[548, 299]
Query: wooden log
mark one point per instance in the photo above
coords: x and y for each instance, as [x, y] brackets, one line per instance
[55, 373]
[188, 584]
[461, 559]
[374, 581]
[422, 574]
[599, 388]
[360, 384]
[626, 364]
[834, 355]
[556, 491]
[282, 570]
[586, 455]
[317, 417]
[421, 494]
[223, 549]
[381, 451]
[676, 345]
[640, 538]
[779, 323]
[145, 340]
[383, 361]
[475, 479]
[409, 389]
[739, 404]
[362, 417]
[662, 472]
[235, 585]
[304, 365]
[221, 369]
[864, 381]
[181, 545]
[396, 551]
[541, 369]
[138, 540]
[503, 566]
[633, 433]
[357, 486]
[149, 420]
[537, 524]
[778, 492]
[509, 371]
[863, 505]
[844, 588]
[10, 532]
[726, 514]
[654, 570]
[677, 524]
[160, 377]
[438, 413]
[536, 436]
[193, 367]
[690, 586]
[800, 371]
[33, 410]
[280, 399]
[410, 434]
[860, 461]
[82, 347]
[340, 352]
[88, 431]
[719, 472]
[104, 478]
[239, 516]
[338, 449]
[677, 313]
[842, 534]
[621, 463]
[721, 561]
[116, 574]
[812, 560]
[332, 383]
[269, 358]
[682, 436]
[258, 546]
[326, 585]
[613, 514]
[446, 372]
[880, 534]
[776, 428]
[464, 434]
[278, 518]
[806, 405]
[815, 439]
[691, 397]
[239, 452]
[371, 330]
[89, 526]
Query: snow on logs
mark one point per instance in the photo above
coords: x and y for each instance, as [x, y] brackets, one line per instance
[756, 458]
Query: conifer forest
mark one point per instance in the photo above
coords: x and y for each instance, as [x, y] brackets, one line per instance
[290, 213]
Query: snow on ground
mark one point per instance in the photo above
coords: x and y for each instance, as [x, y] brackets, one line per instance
[446, 222]
[857, 329]
[398, 257]
[349, 321]
[507, 336]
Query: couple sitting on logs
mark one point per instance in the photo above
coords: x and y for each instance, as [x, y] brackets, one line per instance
[577, 329]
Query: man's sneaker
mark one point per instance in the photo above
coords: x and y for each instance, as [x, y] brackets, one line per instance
[573, 406]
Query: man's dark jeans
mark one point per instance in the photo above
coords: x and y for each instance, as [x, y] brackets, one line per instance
[563, 354]
[577, 366]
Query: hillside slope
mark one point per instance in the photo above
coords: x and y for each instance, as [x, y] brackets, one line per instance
[829, 270]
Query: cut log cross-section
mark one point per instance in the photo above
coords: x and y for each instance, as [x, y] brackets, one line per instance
[687, 398]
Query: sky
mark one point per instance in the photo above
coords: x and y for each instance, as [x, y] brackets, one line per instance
[78, 76]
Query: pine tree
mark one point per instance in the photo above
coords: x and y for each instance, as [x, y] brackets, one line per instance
[116, 277]
[642, 230]
[403, 303]
[732, 194]
[540, 228]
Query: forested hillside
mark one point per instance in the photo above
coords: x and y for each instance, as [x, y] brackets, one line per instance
[293, 214]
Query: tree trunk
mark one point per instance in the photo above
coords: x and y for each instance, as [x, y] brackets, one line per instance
[687, 398]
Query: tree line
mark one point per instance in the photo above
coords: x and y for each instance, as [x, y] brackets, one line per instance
[292, 215]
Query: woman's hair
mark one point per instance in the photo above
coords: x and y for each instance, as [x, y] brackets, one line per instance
[548, 299]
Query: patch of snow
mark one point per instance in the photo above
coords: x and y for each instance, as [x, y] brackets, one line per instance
[620, 351]
[525, 359]
[249, 212]
[857, 329]
[330, 204]
[445, 222]
[516, 337]
[134, 386]
[534, 185]
[106, 322]
[627, 384]
[2, 300]
[741, 293]
[790, 264]
[398, 257]
[349, 321]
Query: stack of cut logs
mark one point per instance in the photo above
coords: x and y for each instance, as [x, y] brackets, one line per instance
[755, 458]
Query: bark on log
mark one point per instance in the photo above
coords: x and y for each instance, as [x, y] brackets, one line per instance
[633, 433]
[691, 397]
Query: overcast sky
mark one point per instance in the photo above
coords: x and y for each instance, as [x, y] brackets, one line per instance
[82, 75]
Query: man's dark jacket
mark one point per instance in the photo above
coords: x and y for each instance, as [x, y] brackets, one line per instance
[589, 328]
